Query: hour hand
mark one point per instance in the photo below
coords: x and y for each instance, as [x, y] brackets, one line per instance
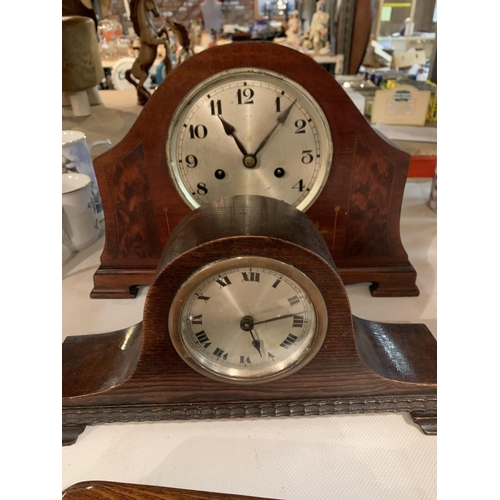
[230, 130]
[256, 344]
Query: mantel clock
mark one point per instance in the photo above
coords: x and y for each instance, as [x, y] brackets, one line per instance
[253, 118]
[247, 316]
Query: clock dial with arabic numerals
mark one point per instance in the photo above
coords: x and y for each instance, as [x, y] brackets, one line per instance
[249, 131]
[247, 320]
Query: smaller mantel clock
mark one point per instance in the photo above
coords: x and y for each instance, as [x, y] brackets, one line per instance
[247, 316]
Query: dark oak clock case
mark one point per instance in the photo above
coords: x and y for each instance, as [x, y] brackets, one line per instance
[135, 374]
[357, 213]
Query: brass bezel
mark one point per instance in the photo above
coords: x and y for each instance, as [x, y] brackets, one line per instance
[224, 266]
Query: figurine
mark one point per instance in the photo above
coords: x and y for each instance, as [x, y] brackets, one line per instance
[181, 34]
[319, 28]
[141, 12]
[195, 34]
[293, 31]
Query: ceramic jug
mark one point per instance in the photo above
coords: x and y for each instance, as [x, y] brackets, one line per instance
[76, 157]
[79, 218]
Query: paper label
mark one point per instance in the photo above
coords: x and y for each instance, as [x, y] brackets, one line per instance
[386, 13]
[401, 104]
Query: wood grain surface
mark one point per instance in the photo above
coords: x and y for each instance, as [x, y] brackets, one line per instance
[106, 490]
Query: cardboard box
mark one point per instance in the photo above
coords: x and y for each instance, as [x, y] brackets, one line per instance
[408, 59]
[401, 105]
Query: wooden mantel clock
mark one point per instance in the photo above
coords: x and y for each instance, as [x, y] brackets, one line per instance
[254, 118]
[247, 316]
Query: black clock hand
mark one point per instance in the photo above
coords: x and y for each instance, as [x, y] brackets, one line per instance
[255, 343]
[230, 130]
[281, 120]
[278, 317]
[246, 324]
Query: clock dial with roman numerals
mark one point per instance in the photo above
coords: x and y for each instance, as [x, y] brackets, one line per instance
[249, 131]
[247, 320]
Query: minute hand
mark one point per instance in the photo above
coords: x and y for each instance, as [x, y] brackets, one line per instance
[278, 317]
[281, 120]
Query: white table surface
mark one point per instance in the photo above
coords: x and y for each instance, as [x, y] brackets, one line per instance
[375, 457]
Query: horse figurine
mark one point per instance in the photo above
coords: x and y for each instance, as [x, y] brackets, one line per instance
[183, 42]
[141, 15]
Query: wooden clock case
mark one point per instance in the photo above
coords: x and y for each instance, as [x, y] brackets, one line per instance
[135, 374]
[108, 490]
[357, 213]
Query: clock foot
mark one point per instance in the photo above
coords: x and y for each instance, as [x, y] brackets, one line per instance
[114, 293]
[70, 434]
[426, 420]
[119, 283]
[380, 289]
[386, 281]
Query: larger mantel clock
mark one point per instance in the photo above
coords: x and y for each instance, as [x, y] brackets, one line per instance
[263, 119]
[246, 317]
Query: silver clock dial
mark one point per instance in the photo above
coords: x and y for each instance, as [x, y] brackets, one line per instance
[247, 319]
[249, 131]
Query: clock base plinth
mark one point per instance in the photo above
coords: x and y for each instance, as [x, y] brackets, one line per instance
[422, 409]
[391, 281]
[120, 283]
[70, 434]
[384, 290]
